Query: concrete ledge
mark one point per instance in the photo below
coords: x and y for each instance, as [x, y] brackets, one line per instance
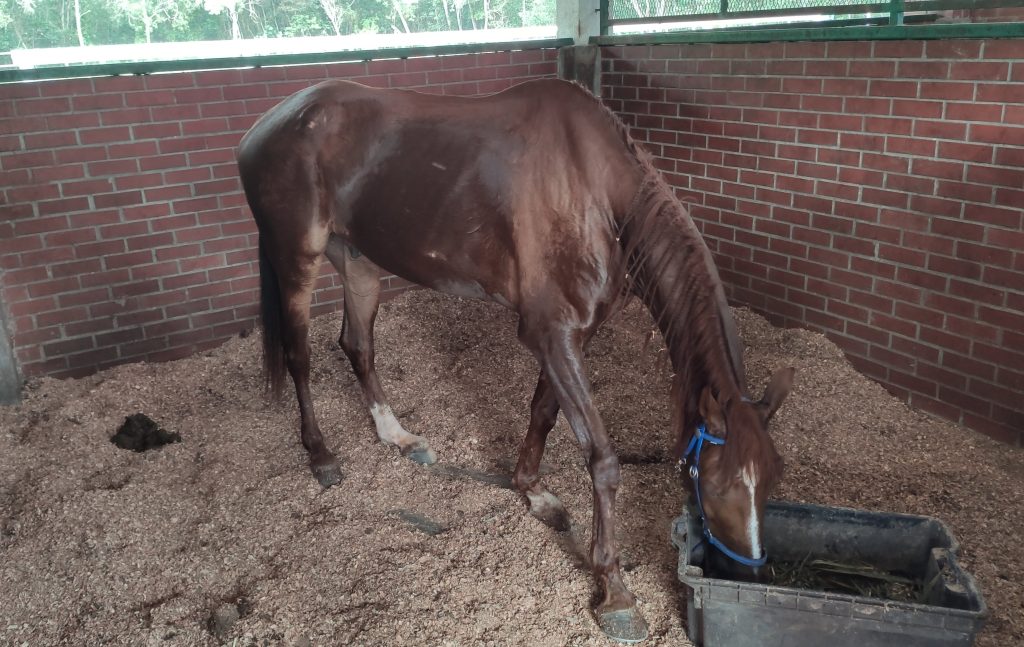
[195, 65]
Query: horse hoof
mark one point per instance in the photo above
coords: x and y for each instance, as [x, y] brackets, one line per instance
[328, 473]
[549, 510]
[624, 626]
[420, 453]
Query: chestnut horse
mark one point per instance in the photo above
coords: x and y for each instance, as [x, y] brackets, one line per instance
[536, 198]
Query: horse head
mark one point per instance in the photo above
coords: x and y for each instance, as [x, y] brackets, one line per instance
[733, 467]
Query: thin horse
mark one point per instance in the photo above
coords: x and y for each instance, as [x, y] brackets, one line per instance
[535, 198]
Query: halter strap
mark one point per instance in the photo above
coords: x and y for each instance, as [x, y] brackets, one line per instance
[694, 447]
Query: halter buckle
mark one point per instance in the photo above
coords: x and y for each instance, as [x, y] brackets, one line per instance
[694, 472]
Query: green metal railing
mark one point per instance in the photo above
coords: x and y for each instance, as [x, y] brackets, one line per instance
[891, 12]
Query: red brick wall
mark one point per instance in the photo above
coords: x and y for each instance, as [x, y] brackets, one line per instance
[124, 234]
[869, 190]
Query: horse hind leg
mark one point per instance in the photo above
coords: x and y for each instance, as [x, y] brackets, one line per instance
[543, 504]
[291, 287]
[361, 279]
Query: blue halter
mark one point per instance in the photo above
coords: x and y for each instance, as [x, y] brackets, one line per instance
[696, 445]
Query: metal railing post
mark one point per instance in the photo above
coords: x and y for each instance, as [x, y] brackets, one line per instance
[896, 10]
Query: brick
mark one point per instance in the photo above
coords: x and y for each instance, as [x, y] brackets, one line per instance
[1008, 319]
[1009, 433]
[13, 161]
[112, 167]
[995, 134]
[69, 237]
[893, 360]
[971, 329]
[996, 175]
[922, 279]
[953, 49]
[31, 193]
[965, 191]
[966, 152]
[45, 140]
[888, 125]
[894, 49]
[1007, 155]
[926, 129]
[869, 334]
[120, 199]
[902, 255]
[1009, 197]
[937, 206]
[1006, 49]
[938, 169]
[910, 146]
[853, 245]
[924, 69]
[46, 106]
[978, 293]
[1000, 92]
[1004, 238]
[974, 112]
[928, 243]
[853, 280]
[988, 254]
[935, 407]
[912, 383]
[862, 142]
[86, 187]
[947, 91]
[893, 88]
[1003, 277]
[963, 269]
[837, 190]
[83, 297]
[74, 268]
[909, 184]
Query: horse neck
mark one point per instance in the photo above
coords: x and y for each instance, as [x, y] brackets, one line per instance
[674, 274]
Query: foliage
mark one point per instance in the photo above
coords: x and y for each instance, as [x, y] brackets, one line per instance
[55, 23]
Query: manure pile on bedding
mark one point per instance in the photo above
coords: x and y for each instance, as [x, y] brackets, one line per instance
[225, 537]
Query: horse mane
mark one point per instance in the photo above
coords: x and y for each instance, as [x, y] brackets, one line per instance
[669, 267]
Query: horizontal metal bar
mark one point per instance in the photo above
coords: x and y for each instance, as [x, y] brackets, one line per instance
[846, 9]
[195, 65]
[894, 32]
[877, 7]
[943, 5]
[876, 19]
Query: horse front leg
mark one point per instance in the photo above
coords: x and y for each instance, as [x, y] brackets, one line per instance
[362, 297]
[543, 504]
[560, 352]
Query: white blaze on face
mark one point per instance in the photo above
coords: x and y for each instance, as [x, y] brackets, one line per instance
[749, 477]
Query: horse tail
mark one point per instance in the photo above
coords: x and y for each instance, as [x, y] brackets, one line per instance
[270, 313]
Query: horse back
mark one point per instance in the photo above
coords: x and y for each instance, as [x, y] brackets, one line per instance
[489, 197]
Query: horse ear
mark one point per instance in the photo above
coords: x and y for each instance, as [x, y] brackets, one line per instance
[777, 390]
[710, 410]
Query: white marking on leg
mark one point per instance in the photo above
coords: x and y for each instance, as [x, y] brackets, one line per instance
[750, 480]
[389, 430]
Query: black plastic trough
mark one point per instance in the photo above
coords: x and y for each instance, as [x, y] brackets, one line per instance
[724, 613]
